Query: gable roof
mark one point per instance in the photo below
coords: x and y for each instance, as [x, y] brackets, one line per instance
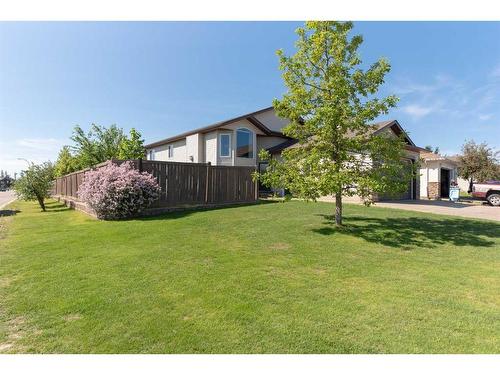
[375, 128]
[249, 117]
[395, 127]
[281, 146]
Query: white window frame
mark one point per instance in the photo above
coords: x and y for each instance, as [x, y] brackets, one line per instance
[252, 139]
[170, 151]
[220, 145]
[151, 154]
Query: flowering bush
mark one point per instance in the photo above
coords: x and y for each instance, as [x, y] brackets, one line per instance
[115, 192]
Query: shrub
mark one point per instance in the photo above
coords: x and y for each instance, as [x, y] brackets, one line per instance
[115, 192]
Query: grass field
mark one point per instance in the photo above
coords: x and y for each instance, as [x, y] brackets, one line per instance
[267, 278]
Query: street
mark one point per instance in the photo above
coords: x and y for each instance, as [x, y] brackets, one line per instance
[6, 197]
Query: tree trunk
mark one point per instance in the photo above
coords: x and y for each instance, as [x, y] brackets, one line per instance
[41, 203]
[338, 208]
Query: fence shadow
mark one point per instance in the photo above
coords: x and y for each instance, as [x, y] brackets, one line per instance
[415, 232]
[191, 211]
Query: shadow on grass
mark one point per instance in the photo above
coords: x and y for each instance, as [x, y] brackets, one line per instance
[187, 211]
[56, 207]
[8, 212]
[415, 232]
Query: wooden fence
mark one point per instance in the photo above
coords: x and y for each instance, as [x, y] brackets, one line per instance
[182, 184]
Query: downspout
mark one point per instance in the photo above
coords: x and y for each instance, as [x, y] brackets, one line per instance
[427, 179]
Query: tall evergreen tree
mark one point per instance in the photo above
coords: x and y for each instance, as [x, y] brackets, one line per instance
[66, 162]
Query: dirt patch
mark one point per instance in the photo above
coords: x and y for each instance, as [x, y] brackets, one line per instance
[16, 323]
[15, 332]
[5, 347]
[320, 271]
[5, 282]
[279, 246]
[3, 226]
[72, 317]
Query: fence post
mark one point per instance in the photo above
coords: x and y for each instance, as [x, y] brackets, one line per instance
[140, 164]
[256, 187]
[207, 181]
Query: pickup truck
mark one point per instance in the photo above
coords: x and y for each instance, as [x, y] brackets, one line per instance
[489, 190]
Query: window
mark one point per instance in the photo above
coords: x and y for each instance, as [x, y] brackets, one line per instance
[225, 145]
[244, 143]
[170, 151]
[151, 155]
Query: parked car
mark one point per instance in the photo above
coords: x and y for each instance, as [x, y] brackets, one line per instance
[489, 190]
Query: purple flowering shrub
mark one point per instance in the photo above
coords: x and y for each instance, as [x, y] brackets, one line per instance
[116, 192]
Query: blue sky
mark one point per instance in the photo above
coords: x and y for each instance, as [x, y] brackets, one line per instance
[164, 78]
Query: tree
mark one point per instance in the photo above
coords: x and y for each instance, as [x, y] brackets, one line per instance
[66, 162]
[329, 102]
[35, 183]
[98, 145]
[132, 147]
[5, 180]
[478, 162]
[432, 149]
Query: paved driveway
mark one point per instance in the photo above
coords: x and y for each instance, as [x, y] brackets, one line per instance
[6, 197]
[470, 210]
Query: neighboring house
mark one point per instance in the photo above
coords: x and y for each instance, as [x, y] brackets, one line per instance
[237, 142]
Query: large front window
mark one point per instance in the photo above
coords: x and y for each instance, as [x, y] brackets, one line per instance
[244, 143]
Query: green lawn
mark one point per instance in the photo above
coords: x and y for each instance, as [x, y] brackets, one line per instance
[268, 278]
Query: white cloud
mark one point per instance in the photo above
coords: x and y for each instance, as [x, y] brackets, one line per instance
[417, 110]
[36, 150]
[413, 88]
[41, 144]
[450, 97]
[496, 71]
[439, 82]
[485, 117]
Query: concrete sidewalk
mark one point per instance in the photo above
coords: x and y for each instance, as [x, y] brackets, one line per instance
[463, 209]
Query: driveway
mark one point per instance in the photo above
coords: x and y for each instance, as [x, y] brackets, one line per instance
[471, 210]
[6, 197]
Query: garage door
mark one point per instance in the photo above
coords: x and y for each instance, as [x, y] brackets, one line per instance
[400, 196]
[405, 195]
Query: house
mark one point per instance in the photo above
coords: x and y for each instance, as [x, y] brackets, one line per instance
[234, 142]
[237, 142]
